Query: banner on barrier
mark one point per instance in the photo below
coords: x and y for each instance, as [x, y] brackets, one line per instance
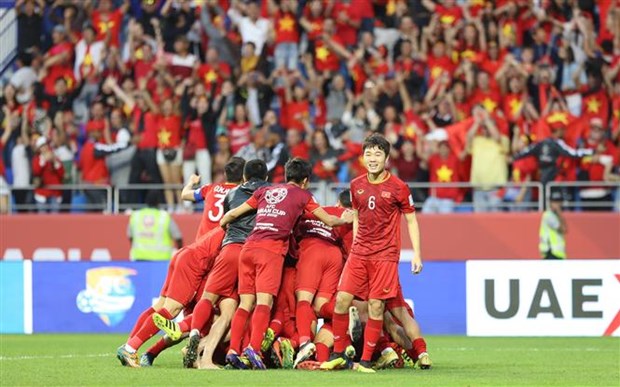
[543, 298]
[12, 294]
[94, 298]
[108, 298]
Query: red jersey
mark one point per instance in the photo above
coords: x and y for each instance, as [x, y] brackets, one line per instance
[196, 135]
[316, 23]
[104, 22]
[325, 59]
[94, 169]
[379, 207]
[213, 197]
[168, 131]
[240, 135]
[286, 28]
[489, 99]
[145, 124]
[278, 208]
[50, 173]
[295, 113]
[444, 171]
[311, 227]
[344, 30]
[214, 74]
[449, 16]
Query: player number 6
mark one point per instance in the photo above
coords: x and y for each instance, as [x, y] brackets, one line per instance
[371, 203]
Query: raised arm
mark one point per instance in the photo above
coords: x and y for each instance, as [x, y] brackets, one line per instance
[332, 220]
[188, 190]
[235, 213]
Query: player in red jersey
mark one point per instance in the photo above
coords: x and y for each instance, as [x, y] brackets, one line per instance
[186, 272]
[278, 208]
[319, 268]
[213, 195]
[378, 200]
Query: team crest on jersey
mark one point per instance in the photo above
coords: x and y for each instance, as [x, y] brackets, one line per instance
[276, 195]
[360, 191]
[386, 194]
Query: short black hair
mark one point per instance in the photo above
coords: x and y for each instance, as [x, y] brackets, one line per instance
[344, 197]
[296, 170]
[376, 140]
[153, 198]
[255, 169]
[234, 169]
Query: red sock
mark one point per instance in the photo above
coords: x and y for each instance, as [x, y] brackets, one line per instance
[202, 314]
[419, 347]
[371, 336]
[145, 315]
[277, 323]
[327, 310]
[322, 352]
[237, 329]
[147, 330]
[158, 347]
[186, 324]
[305, 317]
[260, 321]
[340, 324]
[382, 343]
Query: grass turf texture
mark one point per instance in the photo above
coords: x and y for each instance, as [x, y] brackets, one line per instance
[90, 360]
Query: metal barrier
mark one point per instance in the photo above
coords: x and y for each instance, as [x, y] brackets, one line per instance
[8, 38]
[327, 194]
[121, 206]
[331, 195]
[578, 192]
[78, 202]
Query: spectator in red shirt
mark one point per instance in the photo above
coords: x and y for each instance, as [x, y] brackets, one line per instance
[297, 147]
[449, 12]
[169, 150]
[348, 20]
[324, 158]
[285, 30]
[108, 21]
[443, 167]
[47, 170]
[58, 60]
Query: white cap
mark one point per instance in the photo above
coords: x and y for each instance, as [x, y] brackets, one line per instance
[40, 142]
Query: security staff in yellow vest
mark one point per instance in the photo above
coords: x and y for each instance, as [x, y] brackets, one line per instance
[152, 232]
[552, 229]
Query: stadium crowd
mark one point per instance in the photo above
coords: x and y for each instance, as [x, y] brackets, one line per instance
[153, 91]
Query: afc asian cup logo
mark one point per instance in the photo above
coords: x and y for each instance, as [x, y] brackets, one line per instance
[276, 195]
[109, 293]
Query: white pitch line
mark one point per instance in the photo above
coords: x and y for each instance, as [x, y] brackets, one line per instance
[68, 356]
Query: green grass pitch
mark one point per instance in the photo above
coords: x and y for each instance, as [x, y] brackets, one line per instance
[461, 361]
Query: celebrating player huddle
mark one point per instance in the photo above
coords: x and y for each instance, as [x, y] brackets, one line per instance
[253, 289]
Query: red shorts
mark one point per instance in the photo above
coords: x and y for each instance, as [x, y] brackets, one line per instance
[260, 267]
[286, 303]
[319, 267]
[208, 247]
[184, 277]
[223, 277]
[369, 279]
[189, 308]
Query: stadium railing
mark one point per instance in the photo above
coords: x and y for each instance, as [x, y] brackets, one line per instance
[578, 196]
[586, 195]
[75, 199]
[8, 37]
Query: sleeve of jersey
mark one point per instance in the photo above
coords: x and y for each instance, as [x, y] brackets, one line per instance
[406, 200]
[252, 201]
[200, 193]
[312, 205]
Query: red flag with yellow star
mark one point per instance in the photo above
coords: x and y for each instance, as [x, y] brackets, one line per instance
[575, 127]
[595, 104]
[457, 134]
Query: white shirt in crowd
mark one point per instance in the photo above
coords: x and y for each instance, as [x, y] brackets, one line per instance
[250, 31]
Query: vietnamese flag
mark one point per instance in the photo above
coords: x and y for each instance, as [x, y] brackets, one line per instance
[457, 134]
[575, 127]
[595, 104]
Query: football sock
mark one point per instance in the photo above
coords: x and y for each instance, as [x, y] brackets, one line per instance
[158, 347]
[276, 323]
[260, 321]
[419, 347]
[145, 315]
[148, 330]
[340, 324]
[202, 314]
[327, 310]
[371, 336]
[237, 329]
[382, 343]
[185, 325]
[322, 352]
[305, 316]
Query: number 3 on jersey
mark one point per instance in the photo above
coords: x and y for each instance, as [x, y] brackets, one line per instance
[219, 206]
[371, 203]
